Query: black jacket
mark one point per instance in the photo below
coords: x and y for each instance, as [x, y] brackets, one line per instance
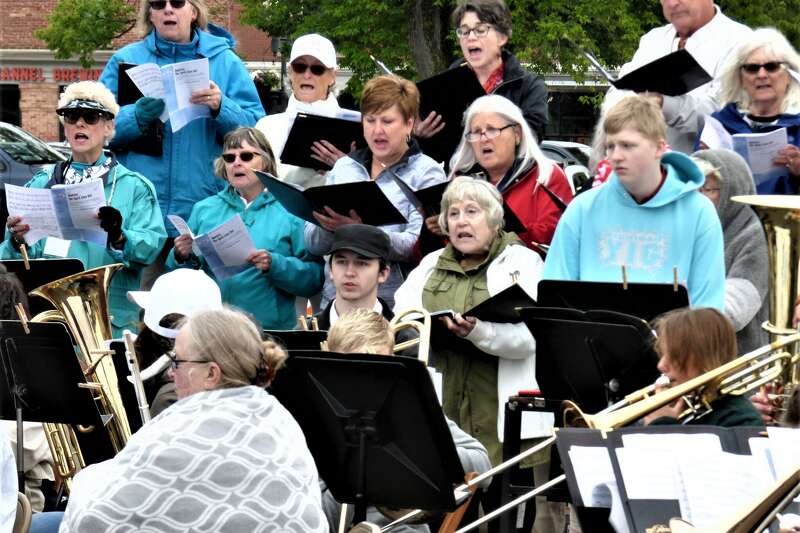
[526, 89]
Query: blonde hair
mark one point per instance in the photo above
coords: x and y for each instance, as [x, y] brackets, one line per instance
[639, 113]
[528, 149]
[232, 340]
[383, 92]
[89, 90]
[773, 43]
[707, 168]
[361, 331]
[253, 137]
[480, 191]
[145, 26]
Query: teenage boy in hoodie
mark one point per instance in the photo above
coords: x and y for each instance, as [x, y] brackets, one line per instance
[649, 216]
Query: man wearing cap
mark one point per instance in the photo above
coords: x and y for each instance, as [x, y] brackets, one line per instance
[174, 295]
[358, 266]
[312, 73]
[131, 218]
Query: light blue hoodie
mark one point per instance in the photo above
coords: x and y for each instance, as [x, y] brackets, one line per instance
[184, 173]
[605, 228]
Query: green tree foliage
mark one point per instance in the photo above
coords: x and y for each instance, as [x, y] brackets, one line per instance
[79, 27]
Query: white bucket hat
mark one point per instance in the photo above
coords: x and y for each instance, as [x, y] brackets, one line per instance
[184, 291]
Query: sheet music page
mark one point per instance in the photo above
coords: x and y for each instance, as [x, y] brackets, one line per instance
[148, 78]
[714, 135]
[184, 78]
[784, 444]
[760, 149]
[715, 488]
[592, 466]
[226, 248]
[761, 452]
[77, 206]
[35, 207]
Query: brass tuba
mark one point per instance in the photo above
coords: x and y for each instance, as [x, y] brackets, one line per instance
[81, 303]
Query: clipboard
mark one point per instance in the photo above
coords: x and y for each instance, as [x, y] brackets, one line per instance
[365, 197]
[308, 129]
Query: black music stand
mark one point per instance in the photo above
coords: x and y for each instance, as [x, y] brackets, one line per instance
[127, 391]
[592, 358]
[39, 378]
[643, 300]
[374, 427]
[299, 339]
[41, 271]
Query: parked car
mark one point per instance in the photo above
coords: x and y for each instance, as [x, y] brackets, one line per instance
[572, 157]
[21, 156]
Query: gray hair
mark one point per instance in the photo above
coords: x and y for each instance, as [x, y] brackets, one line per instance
[145, 26]
[253, 137]
[232, 340]
[773, 43]
[528, 150]
[480, 191]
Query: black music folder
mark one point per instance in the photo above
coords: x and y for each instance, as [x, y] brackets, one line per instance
[429, 200]
[374, 427]
[151, 142]
[308, 129]
[299, 339]
[640, 514]
[41, 272]
[365, 197]
[643, 300]
[674, 74]
[449, 94]
[502, 307]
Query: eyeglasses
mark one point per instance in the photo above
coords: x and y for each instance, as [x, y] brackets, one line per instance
[71, 116]
[175, 362]
[316, 68]
[246, 157]
[709, 190]
[769, 66]
[490, 133]
[480, 30]
[158, 5]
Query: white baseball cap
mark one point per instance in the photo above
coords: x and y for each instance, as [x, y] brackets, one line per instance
[184, 291]
[314, 45]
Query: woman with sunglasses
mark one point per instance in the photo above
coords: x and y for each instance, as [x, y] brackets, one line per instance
[312, 73]
[132, 217]
[282, 267]
[226, 457]
[760, 96]
[483, 28]
[180, 163]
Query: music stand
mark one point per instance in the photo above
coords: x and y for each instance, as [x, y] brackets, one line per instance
[374, 427]
[643, 300]
[299, 339]
[39, 378]
[592, 358]
[41, 271]
[126, 390]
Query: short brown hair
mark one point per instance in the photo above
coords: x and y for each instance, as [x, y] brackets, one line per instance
[703, 338]
[254, 138]
[494, 12]
[639, 113]
[145, 26]
[361, 331]
[383, 92]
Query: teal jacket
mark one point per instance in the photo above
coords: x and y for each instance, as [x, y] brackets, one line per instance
[269, 296]
[135, 198]
[184, 173]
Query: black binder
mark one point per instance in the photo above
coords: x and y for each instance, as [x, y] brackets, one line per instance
[365, 197]
[299, 339]
[41, 271]
[449, 94]
[308, 129]
[151, 142]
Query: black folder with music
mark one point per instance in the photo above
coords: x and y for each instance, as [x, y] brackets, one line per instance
[308, 129]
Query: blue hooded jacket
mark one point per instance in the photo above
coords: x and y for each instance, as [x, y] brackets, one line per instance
[184, 173]
[269, 295]
[605, 228]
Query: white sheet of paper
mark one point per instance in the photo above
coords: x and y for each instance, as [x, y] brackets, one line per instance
[35, 208]
[592, 466]
[182, 79]
[56, 247]
[436, 378]
[148, 78]
[83, 200]
[784, 444]
[762, 453]
[226, 248]
[760, 149]
[714, 135]
[180, 225]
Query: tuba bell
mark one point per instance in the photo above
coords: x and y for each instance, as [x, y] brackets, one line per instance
[81, 303]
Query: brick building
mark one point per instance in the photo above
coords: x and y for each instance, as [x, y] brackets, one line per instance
[31, 79]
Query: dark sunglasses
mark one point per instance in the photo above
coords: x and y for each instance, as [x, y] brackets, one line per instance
[316, 68]
[158, 5]
[90, 117]
[244, 156]
[769, 66]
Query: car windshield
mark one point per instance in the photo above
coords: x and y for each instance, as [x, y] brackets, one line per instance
[25, 148]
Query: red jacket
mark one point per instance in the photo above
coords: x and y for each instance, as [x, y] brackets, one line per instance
[534, 207]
